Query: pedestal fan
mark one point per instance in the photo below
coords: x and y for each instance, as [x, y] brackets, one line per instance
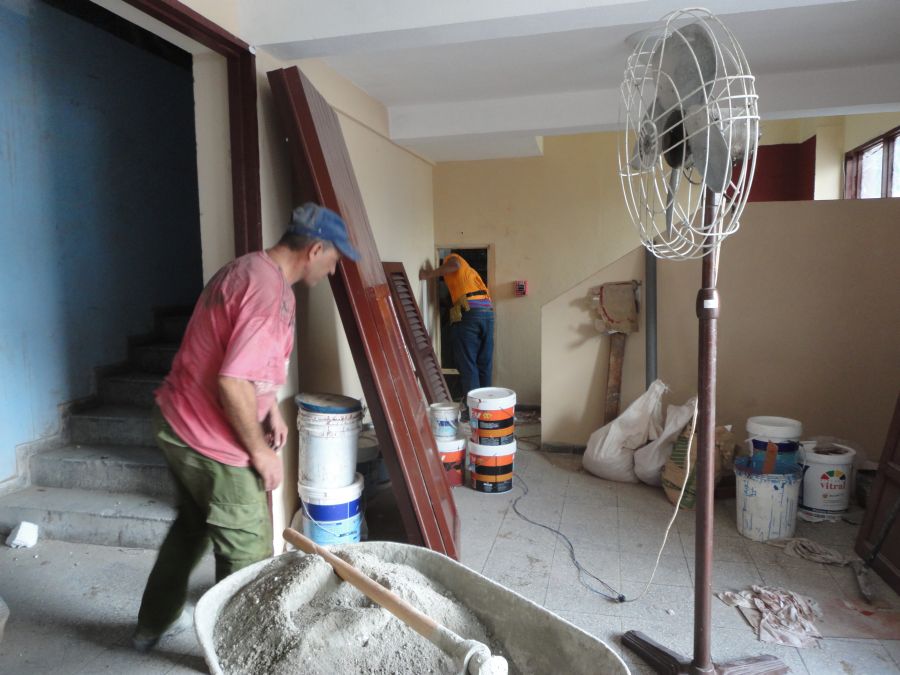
[686, 163]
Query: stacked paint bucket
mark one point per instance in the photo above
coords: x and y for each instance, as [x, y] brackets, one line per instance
[767, 502]
[451, 445]
[492, 444]
[329, 486]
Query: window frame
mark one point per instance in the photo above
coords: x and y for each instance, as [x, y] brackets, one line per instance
[853, 164]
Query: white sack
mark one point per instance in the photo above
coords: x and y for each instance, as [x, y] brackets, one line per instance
[650, 460]
[610, 449]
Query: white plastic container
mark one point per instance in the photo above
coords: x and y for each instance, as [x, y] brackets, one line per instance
[332, 515]
[827, 474]
[490, 467]
[783, 431]
[444, 419]
[767, 502]
[328, 426]
[492, 415]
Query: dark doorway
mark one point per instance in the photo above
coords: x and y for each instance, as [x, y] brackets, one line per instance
[478, 259]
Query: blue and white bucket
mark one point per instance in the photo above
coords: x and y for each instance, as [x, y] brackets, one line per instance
[767, 502]
[444, 419]
[782, 431]
[332, 515]
[328, 426]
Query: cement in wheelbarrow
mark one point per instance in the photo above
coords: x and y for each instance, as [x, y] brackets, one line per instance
[534, 640]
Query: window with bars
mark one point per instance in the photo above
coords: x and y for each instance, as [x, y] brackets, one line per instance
[872, 170]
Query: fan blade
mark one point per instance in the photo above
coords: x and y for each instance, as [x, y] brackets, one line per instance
[707, 148]
[671, 197]
[687, 57]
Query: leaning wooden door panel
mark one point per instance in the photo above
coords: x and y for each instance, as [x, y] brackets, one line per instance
[322, 172]
[877, 528]
[417, 339]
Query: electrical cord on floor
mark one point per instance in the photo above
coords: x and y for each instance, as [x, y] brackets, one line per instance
[614, 595]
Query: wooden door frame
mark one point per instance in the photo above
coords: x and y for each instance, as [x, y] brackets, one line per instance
[433, 294]
[242, 114]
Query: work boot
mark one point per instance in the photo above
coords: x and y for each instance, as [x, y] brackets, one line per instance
[143, 640]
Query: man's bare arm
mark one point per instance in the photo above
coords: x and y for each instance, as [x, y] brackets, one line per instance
[238, 398]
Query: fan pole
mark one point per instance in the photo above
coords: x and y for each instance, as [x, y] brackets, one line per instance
[708, 315]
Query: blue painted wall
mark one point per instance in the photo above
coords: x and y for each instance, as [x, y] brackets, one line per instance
[99, 216]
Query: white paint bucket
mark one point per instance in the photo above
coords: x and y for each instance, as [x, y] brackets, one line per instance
[332, 515]
[444, 419]
[826, 479]
[328, 426]
[490, 467]
[782, 431]
[767, 502]
[492, 415]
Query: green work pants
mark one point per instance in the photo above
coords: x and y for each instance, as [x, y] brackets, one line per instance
[216, 502]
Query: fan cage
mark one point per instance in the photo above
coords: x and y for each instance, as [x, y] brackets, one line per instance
[689, 221]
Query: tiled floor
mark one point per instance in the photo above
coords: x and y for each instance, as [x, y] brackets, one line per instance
[73, 605]
[616, 529]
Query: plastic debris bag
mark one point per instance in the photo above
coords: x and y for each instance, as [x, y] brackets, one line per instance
[650, 459]
[610, 449]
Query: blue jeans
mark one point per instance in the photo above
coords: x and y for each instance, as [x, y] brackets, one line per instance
[472, 340]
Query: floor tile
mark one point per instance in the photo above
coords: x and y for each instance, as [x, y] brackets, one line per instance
[731, 576]
[671, 571]
[566, 592]
[849, 657]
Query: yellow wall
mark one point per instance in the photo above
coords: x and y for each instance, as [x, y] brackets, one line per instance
[552, 220]
[862, 128]
[809, 326]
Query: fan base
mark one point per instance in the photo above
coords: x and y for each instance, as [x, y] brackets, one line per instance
[667, 662]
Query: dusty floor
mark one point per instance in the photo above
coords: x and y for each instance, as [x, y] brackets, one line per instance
[73, 605]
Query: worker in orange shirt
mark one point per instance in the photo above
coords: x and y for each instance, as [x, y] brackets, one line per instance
[471, 321]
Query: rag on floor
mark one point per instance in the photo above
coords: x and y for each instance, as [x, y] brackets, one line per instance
[778, 615]
[811, 550]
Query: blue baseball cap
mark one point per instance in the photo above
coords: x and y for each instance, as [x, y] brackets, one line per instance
[318, 222]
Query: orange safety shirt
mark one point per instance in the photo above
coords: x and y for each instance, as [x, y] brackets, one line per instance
[465, 281]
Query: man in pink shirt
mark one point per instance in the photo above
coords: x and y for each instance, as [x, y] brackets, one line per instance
[218, 421]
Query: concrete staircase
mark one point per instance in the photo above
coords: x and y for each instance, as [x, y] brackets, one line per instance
[108, 484]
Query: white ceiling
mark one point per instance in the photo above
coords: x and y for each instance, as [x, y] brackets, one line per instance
[477, 79]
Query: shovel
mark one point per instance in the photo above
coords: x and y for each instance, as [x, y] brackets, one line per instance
[472, 657]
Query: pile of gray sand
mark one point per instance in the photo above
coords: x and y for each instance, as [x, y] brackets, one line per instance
[298, 616]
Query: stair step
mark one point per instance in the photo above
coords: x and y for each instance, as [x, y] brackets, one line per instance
[141, 470]
[89, 516]
[154, 358]
[113, 424]
[134, 388]
[173, 327]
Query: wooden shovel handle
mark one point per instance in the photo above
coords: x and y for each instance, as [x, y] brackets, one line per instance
[419, 622]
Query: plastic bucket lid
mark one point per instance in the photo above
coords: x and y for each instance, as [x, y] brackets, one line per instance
[834, 453]
[446, 445]
[492, 450]
[775, 428]
[492, 398]
[444, 410]
[331, 404]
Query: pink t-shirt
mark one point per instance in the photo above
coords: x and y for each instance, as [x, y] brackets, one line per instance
[243, 327]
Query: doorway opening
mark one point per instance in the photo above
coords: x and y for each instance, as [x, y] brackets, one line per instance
[479, 257]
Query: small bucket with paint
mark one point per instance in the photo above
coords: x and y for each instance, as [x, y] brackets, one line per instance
[490, 467]
[826, 479]
[784, 432]
[332, 515]
[444, 419]
[492, 415]
[453, 456]
[767, 502]
[328, 426]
